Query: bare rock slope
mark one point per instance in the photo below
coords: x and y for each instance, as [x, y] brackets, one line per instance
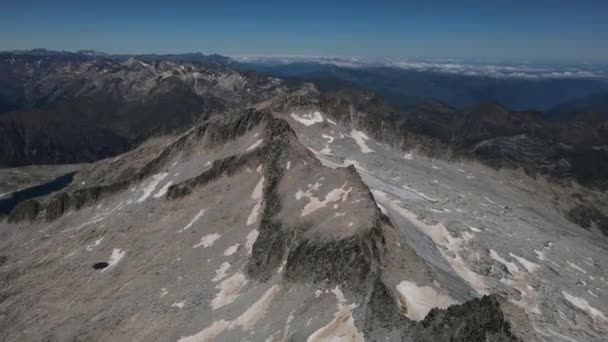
[299, 219]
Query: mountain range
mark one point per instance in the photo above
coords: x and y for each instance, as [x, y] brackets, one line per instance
[199, 198]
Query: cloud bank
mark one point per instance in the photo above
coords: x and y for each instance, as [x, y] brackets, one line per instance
[457, 67]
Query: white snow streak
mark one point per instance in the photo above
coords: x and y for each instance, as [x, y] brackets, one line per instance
[583, 305]
[528, 265]
[360, 139]
[189, 225]
[246, 320]
[231, 250]
[255, 145]
[257, 191]
[179, 305]
[419, 300]
[315, 204]
[573, 265]
[255, 213]
[512, 267]
[220, 273]
[341, 327]
[258, 310]
[152, 185]
[163, 191]
[308, 119]
[229, 290]
[256, 195]
[251, 237]
[450, 247]
[115, 258]
[95, 243]
[207, 240]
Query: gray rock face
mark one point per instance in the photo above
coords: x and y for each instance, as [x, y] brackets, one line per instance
[115, 104]
[302, 218]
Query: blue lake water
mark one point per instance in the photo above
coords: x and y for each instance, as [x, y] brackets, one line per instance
[8, 204]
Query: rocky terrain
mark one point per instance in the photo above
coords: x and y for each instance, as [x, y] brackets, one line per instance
[79, 108]
[302, 215]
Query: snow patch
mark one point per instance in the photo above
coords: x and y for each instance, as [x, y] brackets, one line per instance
[251, 238]
[450, 246]
[315, 204]
[220, 273]
[151, 186]
[540, 255]
[255, 213]
[255, 145]
[257, 311]
[79, 227]
[95, 243]
[117, 255]
[512, 267]
[573, 265]
[419, 300]
[519, 282]
[583, 305]
[308, 119]
[163, 191]
[229, 290]
[194, 219]
[246, 320]
[528, 265]
[256, 195]
[326, 150]
[341, 327]
[207, 240]
[476, 230]
[329, 138]
[179, 305]
[231, 250]
[360, 138]
[258, 190]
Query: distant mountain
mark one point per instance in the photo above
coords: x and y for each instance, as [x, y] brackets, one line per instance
[307, 216]
[593, 107]
[407, 88]
[193, 57]
[80, 107]
[77, 107]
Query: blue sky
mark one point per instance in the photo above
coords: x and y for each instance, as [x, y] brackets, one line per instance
[542, 29]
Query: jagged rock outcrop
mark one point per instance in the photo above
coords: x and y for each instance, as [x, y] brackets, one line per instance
[477, 320]
[588, 216]
[27, 210]
[309, 247]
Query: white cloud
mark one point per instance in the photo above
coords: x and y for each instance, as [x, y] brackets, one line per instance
[450, 66]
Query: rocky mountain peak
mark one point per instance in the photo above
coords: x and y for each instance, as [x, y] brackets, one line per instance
[292, 213]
